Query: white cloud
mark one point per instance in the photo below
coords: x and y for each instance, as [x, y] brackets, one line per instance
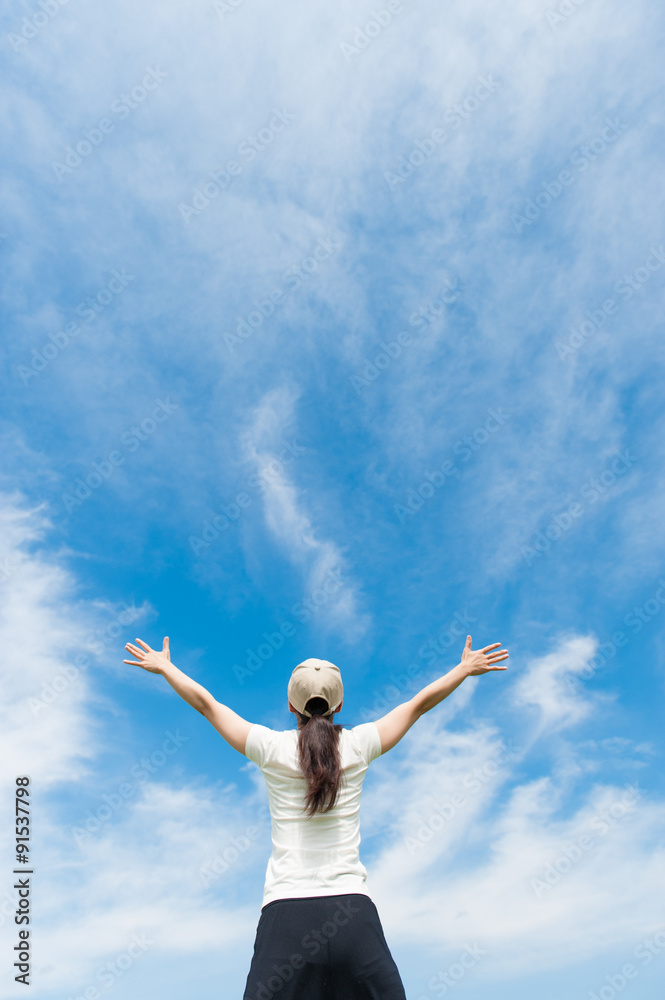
[320, 559]
[126, 865]
[353, 120]
[472, 850]
[41, 633]
[545, 685]
[469, 849]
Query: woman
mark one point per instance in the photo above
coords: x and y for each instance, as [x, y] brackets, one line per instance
[319, 934]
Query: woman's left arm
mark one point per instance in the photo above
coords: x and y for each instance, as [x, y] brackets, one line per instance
[228, 723]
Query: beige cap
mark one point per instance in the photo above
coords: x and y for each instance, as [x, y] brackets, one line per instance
[315, 679]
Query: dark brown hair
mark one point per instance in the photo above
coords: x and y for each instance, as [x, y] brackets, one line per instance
[318, 752]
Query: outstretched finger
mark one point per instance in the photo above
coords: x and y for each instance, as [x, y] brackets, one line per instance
[134, 649]
[147, 647]
[492, 645]
[134, 663]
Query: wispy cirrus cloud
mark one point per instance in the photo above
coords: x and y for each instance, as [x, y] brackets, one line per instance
[333, 462]
[269, 446]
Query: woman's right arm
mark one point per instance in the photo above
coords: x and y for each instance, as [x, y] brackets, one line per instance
[393, 726]
[228, 723]
[160, 663]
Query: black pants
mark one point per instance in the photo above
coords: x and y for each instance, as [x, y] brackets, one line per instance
[322, 948]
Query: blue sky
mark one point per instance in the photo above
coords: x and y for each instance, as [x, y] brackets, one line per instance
[336, 332]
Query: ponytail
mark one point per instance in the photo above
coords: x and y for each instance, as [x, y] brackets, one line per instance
[318, 751]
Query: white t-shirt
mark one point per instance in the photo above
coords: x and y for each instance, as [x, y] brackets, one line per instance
[313, 855]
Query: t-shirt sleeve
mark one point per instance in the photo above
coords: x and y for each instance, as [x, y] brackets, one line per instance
[368, 741]
[260, 740]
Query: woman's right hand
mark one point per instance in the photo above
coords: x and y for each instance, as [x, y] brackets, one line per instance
[150, 659]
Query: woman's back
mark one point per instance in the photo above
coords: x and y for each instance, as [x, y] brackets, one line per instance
[313, 855]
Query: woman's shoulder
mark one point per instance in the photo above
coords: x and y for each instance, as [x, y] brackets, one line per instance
[264, 744]
[364, 740]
